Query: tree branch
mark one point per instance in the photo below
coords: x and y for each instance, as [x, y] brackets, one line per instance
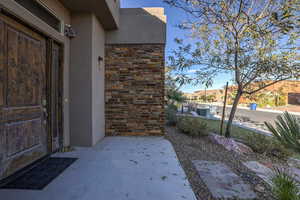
[259, 89]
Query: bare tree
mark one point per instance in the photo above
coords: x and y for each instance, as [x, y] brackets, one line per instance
[257, 41]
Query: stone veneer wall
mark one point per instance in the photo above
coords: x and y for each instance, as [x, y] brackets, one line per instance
[134, 89]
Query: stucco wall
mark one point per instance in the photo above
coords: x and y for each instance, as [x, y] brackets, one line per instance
[134, 89]
[62, 13]
[58, 9]
[139, 26]
[107, 11]
[98, 104]
[87, 81]
[80, 80]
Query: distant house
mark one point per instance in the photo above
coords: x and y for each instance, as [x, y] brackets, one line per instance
[73, 71]
[294, 98]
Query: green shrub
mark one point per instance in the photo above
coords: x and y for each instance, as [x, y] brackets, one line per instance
[172, 107]
[171, 116]
[284, 186]
[266, 145]
[192, 126]
[286, 130]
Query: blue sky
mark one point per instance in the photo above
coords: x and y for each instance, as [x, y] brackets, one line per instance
[174, 16]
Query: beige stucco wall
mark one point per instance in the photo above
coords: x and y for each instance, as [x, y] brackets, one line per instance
[98, 70]
[58, 9]
[139, 26]
[62, 13]
[80, 84]
[107, 11]
[87, 81]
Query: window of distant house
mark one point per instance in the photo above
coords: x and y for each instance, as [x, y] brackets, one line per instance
[41, 12]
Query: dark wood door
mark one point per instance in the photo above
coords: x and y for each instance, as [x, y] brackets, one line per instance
[56, 96]
[23, 113]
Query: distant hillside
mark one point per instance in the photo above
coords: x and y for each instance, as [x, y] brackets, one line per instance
[282, 93]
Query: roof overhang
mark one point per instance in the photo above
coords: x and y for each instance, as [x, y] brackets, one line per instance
[107, 11]
[139, 26]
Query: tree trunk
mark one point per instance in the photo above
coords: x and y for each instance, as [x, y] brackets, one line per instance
[232, 113]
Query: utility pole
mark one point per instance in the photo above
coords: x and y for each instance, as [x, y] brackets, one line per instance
[205, 94]
[224, 108]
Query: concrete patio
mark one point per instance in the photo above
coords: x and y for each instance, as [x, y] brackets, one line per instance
[118, 168]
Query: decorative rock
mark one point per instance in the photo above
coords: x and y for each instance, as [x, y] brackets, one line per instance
[222, 182]
[244, 149]
[260, 170]
[294, 167]
[295, 172]
[269, 164]
[293, 162]
[248, 177]
[259, 188]
[230, 144]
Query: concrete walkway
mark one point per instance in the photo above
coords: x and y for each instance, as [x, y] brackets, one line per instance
[118, 168]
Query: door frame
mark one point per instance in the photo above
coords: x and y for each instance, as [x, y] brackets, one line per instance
[60, 89]
[49, 41]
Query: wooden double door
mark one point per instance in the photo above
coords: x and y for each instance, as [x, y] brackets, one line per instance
[29, 96]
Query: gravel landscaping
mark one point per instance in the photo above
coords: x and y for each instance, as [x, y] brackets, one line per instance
[202, 148]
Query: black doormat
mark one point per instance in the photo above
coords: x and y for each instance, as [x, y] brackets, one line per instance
[40, 175]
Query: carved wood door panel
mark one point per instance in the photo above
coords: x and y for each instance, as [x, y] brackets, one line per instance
[23, 135]
[56, 97]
